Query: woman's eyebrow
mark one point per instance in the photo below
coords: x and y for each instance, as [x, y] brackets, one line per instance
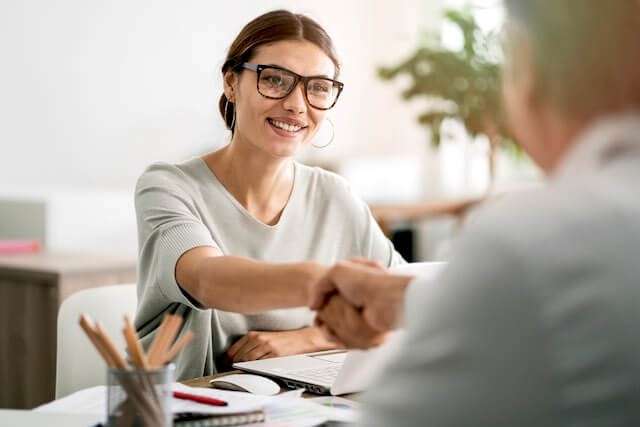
[285, 68]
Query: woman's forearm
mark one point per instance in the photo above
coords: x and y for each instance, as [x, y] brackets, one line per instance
[243, 285]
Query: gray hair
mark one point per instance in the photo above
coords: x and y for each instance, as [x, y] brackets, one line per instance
[585, 52]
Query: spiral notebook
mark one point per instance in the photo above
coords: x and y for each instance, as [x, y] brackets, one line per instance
[189, 419]
[242, 408]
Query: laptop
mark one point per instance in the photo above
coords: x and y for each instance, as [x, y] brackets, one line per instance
[338, 371]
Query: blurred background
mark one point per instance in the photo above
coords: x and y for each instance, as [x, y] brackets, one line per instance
[92, 92]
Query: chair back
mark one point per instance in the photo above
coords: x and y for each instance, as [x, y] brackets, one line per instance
[78, 363]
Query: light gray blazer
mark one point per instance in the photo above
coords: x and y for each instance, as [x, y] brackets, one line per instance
[536, 320]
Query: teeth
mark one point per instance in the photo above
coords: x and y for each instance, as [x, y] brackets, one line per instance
[285, 126]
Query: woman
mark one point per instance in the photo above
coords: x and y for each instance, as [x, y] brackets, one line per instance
[233, 240]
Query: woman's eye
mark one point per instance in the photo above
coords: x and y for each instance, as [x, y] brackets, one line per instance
[274, 80]
[320, 88]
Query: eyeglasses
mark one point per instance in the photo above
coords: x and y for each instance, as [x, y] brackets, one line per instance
[276, 83]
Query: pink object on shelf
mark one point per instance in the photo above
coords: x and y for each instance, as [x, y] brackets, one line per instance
[19, 246]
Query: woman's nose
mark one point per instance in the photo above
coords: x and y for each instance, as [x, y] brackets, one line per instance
[295, 101]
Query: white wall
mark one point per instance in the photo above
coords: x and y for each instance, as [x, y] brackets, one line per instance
[93, 91]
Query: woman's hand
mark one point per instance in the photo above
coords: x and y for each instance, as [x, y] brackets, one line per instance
[263, 345]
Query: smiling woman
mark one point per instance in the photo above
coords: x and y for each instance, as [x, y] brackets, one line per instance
[277, 101]
[234, 239]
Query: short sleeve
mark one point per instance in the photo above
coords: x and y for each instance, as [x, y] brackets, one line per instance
[168, 226]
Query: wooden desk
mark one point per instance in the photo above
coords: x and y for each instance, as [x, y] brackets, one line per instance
[32, 287]
[386, 215]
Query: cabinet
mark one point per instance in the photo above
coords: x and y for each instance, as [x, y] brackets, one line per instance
[32, 287]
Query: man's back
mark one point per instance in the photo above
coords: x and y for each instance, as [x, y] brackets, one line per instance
[535, 321]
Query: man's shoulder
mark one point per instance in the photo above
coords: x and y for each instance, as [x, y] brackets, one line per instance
[537, 214]
[548, 234]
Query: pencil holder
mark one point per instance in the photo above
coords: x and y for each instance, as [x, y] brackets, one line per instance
[139, 397]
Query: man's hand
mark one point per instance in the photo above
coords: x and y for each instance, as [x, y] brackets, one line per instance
[343, 324]
[367, 287]
[263, 345]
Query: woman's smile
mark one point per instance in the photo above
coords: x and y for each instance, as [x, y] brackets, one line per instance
[287, 127]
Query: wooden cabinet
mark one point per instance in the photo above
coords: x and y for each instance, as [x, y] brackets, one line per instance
[32, 287]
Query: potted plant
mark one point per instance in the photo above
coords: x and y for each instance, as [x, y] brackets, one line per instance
[463, 84]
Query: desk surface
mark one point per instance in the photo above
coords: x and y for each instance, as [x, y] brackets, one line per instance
[61, 263]
[27, 418]
[419, 210]
[386, 215]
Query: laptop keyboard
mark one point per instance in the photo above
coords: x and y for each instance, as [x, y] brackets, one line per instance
[324, 375]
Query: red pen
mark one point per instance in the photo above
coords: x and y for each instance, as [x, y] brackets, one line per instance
[199, 399]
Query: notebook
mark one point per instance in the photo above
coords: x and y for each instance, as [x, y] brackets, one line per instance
[243, 408]
[338, 372]
[187, 419]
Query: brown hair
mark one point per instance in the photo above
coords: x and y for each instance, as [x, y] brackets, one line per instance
[586, 54]
[274, 26]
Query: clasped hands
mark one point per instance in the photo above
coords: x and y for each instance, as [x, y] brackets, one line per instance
[358, 302]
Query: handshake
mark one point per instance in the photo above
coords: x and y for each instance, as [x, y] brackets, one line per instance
[358, 302]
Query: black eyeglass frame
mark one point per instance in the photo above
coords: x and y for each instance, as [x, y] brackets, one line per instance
[258, 68]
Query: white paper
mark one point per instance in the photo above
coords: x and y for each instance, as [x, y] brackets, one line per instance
[93, 401]
[88, 401]
[299, 412]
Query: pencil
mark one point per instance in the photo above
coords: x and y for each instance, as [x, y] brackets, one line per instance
[178, 346]
[153, 348]
[87, 325]
[133, 344]
[110, 347]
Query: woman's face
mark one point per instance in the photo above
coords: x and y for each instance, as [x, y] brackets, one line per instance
[260, 120]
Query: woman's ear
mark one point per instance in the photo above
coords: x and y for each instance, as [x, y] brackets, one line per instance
[230, 82]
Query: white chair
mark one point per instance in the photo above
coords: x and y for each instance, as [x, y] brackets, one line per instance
[78, 363]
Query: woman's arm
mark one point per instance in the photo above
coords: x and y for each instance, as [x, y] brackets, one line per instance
[243, 285]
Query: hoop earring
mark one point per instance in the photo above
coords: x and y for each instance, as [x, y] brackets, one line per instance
[333, 134]
[233, 119]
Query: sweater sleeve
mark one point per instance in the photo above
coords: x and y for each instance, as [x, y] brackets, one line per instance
[168, 225]
[374, 244]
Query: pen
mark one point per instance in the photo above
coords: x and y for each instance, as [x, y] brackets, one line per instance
[199, 399]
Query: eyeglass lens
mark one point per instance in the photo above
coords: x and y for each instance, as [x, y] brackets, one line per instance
[276, 83]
